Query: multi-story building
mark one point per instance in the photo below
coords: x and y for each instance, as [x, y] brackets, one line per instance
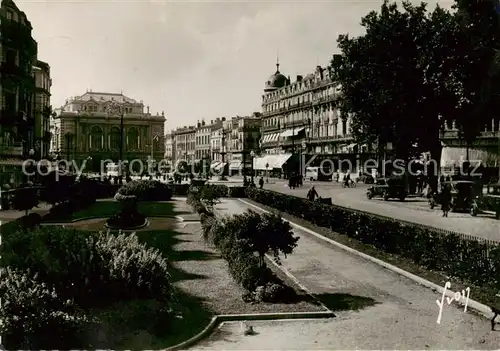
[169, 147]
[18, 53]
[300, 117]
[42, 108]
[243, 134]
[88, 127]
[185, 144]
[216, 140]
[202, 137]
[485, 149]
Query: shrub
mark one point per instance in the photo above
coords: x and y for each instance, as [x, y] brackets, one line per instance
[475, 262]
[135, 270]
[237, 240]
[25, 199]
[91, 268]
[237, 191]
[34, 317]
[210, 195]
[147, 190]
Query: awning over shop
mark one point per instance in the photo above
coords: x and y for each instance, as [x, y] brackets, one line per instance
[235, 164]
[279, 160]
[288, 133]
[271, 161]
[259, 163]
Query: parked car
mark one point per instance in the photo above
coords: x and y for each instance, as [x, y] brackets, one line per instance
[366, 178]
[491, 201]
[465, 195]
[388, 188]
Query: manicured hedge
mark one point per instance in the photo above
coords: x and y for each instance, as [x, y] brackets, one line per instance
[237, 191]
[472, 261]
[244, 266]
[147, 190]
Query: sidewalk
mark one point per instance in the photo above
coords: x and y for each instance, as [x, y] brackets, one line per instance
[404, 317]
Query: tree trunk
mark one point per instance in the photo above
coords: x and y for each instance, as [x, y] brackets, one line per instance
[433, 170]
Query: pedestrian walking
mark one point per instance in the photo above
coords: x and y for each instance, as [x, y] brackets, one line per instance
[261, 182]
[446, 200]
[312, 194]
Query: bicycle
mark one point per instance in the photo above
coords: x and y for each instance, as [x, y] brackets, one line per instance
[352, 184]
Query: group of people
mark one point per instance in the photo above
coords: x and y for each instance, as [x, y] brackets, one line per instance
[295, 181]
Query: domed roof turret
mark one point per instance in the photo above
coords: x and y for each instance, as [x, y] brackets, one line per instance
[276, 81]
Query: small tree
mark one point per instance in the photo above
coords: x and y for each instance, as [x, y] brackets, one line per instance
[267, 232]
[210, 195]
[25, 199]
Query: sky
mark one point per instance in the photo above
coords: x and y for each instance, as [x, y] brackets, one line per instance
[192, 60]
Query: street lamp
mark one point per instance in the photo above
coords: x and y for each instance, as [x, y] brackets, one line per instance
[252, 156]
[31, 153]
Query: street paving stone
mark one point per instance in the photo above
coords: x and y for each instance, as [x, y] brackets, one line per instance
[404, 317]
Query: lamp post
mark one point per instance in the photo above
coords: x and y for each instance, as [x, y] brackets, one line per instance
[114, 109]
[89, 158]
[223, 153]
[252, 156]
[31, 153]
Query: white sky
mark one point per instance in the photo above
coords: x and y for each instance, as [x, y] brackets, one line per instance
[191, 59]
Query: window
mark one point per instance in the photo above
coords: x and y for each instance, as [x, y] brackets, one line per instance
[10, 15]
[114, 138]
[96, 138]
[133, 139]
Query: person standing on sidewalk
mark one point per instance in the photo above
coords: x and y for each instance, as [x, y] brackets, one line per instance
[446, 200]
[261, 182]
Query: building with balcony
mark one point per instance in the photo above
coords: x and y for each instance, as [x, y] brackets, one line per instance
[202, 140]
[216, 139]
[42, 108]
[88, 127]
[185, 144]
[18, 53]
[300, 118]
[242, 137]
[485, 149]
[169, 147]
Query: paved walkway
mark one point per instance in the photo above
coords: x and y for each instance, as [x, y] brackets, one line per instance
[411, 210]
[404, 317]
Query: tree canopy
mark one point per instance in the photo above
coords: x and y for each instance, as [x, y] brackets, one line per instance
[414, 69]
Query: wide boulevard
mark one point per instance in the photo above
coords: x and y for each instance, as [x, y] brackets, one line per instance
[413, 209]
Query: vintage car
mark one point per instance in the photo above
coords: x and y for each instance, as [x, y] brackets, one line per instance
[491, 201]
[465, 195]
[388, 188]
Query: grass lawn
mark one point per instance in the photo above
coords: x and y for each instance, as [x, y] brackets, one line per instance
[110, 208]
[138, 325]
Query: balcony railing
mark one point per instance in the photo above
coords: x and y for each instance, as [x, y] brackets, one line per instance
[14, 149]
[454, 134]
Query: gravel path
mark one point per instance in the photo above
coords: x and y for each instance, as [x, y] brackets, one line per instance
[403, 318]
[412, 210]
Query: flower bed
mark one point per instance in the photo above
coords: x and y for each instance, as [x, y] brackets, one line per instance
[472, 261]
[243, 240]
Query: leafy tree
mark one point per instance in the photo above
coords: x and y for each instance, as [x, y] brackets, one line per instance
[380, 78]
[479, 26]
[25, 199]
[265, 233]
[412, 71]
[210, 194]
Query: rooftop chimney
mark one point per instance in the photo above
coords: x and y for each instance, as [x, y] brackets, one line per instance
[147, 108]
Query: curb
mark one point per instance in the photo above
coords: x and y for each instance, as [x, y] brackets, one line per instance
[215, 321]
[289, 275]
[475, 305]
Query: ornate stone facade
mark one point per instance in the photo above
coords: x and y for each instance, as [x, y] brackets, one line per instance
[88, 127]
